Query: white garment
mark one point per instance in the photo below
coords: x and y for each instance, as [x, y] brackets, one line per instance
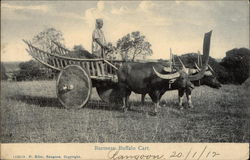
[96, 48]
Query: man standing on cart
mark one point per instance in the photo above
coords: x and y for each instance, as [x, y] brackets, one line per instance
[99, 45]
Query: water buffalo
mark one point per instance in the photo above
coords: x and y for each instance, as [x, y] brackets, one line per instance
[151, 78]
[209, 79]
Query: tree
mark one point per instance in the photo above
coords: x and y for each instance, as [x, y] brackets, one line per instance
[237, 63]
[44, 39]
[134, 45]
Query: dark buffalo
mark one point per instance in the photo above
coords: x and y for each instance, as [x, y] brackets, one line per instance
[151, 78]
[209, 79]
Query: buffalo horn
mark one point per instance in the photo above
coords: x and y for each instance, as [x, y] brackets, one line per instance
[211, 68]
[208, 73]
[197, 66]
[183, 66]
[192, 71]
[167, 69]
[167, 76]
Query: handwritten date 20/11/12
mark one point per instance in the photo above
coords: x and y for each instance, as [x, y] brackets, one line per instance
[190, 155]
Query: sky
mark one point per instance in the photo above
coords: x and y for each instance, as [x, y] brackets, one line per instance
[179, 25]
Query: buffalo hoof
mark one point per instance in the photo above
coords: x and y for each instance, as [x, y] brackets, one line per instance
[129, 108]
[152, 113]
[125, 109]
[181, 107]
[190, 106]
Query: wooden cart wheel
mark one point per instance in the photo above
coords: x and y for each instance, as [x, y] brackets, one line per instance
[74, 87]
[109, 94]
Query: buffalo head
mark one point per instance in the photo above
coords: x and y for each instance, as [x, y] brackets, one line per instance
[209, 78]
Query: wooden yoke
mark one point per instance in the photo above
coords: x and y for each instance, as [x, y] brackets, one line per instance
[199, 61]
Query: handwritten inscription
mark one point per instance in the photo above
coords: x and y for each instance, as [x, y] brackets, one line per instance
[114, 155]
[190, 154]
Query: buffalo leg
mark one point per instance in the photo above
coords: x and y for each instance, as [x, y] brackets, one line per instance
[155, 96]
[188, 95]
[143, 99]
[180, 94]
[125, 100]
[124, 94]
[156, 107]
[124, 107]
[142, 102]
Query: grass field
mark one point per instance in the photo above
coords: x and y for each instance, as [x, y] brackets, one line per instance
[30, 112]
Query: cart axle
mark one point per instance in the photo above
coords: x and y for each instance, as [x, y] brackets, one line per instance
[67, 87]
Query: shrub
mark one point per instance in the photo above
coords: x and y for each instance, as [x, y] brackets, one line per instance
[32, 70]
[237, 63]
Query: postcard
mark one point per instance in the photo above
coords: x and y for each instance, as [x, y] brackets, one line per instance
[114, 80]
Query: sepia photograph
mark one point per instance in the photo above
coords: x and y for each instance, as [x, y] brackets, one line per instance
[125, 72]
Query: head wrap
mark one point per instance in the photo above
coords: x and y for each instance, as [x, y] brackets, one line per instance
[99, 20]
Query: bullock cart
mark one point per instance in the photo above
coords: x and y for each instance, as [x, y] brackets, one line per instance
[77, 76]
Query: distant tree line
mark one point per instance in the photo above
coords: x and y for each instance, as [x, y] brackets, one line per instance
[33, 70]
[234, 68]
[3, 72]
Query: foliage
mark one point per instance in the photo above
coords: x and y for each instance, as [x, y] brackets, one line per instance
[134, 45]
[3, 72]
[33, 70]
[237, 63]
[44, 39]
[78, 47]
[80, 52]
